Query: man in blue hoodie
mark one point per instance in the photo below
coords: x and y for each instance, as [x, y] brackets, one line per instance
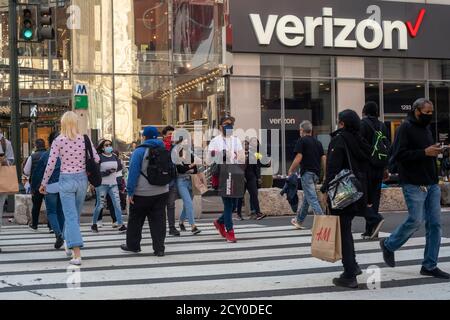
[146, 200]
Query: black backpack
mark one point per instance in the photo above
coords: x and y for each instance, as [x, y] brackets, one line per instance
[379, 156]
[160, 169]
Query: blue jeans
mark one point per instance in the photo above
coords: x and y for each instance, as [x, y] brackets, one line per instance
[55, 213]
[423, 205]
[227, 216]
[72, 190]
[184, 185]
[309, 180]
[101, 192]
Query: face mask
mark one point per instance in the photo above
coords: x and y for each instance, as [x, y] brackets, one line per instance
[226, 128]
[109, 149]
[425, 119]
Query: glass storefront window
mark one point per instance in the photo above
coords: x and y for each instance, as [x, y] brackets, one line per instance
[440, 96]
[372, 92]
[271, 114]
[197, 38]
[399, 97]
[307, 100]
[270, 65]
[439, 69]
[307, 66]
[408, 69]
[371, 68]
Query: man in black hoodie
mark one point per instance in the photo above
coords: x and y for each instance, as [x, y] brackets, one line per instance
[415, 153]
[369, 126]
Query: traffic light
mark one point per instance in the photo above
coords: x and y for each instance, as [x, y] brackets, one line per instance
[27, 32]
[46, 30]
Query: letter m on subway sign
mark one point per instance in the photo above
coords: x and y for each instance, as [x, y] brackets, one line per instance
[323, 234]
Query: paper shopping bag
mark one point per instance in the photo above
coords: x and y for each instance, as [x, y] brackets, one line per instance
[8, 180]
[199, 183]
[326, 238]
[231, 181]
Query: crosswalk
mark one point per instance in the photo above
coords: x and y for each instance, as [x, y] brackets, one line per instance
[268, 262]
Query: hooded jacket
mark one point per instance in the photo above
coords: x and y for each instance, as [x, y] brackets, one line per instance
[414, 167]
[137, 183]
[290, 189]
[359, 151]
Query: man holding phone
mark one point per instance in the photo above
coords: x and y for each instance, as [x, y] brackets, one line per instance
[416, 154]
[6, 158]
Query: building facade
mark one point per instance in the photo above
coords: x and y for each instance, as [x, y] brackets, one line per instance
[271, 64]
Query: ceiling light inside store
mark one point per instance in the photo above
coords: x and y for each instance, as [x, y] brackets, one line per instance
[371, 85]
[418, 86]
[396, 90]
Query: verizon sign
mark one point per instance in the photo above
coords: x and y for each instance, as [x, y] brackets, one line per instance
[362, 27]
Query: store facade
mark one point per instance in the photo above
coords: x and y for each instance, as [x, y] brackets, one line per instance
[308, 60]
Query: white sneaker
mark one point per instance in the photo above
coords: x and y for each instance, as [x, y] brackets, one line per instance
[67, 250]
[297, 225]
[99, 224]
[75, 261]
[115, 225]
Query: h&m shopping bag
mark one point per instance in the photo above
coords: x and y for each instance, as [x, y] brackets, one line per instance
[8, 180]
[326, 238]
[231, 181]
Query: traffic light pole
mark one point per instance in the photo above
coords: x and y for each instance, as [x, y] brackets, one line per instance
[14, 87]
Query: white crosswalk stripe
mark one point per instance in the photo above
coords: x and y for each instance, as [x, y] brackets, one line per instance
[268, 262]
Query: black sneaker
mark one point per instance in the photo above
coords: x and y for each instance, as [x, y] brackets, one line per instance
[376, 230]
[59, 242]
[195, 231]
[33, 227]
[125, 248]
[436, 272]
[346, 283]
[94, 228]
[51, 231]
[159, 254]
[182, 227]
[358, 271]
[174, 232]
[365, 235]
[122, 229]
[388, 256]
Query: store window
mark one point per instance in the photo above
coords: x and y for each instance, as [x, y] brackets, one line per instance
[371, 68]
[372, 92]
[271, 115]
[399, 97]
[440, 96]
[439, 69]
[408, 69]
[307, 66]
[307, 100]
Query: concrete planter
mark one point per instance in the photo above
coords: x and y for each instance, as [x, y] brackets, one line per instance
[22, 212]
[273, 204]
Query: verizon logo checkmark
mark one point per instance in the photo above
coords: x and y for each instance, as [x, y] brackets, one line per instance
[414, 30]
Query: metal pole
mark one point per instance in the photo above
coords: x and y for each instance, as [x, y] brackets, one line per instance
[14, 85]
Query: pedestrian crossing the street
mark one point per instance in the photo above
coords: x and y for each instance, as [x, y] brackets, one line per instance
[267, 262]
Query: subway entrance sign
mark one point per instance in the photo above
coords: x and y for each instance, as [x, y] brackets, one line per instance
[81, 98]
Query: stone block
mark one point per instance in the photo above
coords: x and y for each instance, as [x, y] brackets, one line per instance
[23, 207]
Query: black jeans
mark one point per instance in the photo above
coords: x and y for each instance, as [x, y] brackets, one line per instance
[173, 195]
[348, 247]
[252, 186]
[374, 195]
[37, 198]
[154, 209]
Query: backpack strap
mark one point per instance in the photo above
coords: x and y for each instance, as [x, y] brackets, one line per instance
[370, 125]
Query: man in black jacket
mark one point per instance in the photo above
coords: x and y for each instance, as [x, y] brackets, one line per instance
[369, 125]
[415, 153]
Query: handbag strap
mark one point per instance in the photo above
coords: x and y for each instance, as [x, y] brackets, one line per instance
[88, 146]
[348, 154]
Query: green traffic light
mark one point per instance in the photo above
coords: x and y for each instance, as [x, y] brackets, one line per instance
[27, 34]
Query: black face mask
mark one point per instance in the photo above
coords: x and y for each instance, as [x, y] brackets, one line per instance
[425, 119]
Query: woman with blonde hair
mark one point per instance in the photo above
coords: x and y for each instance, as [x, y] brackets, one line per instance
[70, 148]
